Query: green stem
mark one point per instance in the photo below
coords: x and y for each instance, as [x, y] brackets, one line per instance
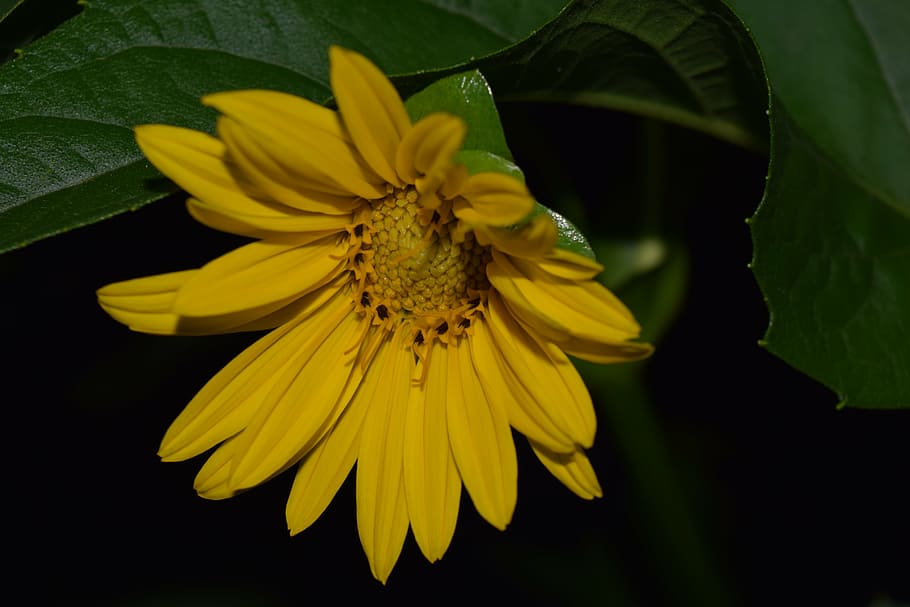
[674, 540]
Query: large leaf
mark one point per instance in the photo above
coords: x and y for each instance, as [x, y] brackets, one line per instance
[66, 152]
[67, 157]
[687, 61]
[832, 236]
[841, 67]
[833, 261]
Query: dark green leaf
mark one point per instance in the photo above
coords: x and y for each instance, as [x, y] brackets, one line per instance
[690, 62]
[149, 61]
[856, 104]
[832, 260]
[68, 105]
[832, 236]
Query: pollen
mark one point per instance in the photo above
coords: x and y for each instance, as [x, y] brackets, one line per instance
[419, 267]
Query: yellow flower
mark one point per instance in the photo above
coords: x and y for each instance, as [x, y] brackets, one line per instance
[413, 325]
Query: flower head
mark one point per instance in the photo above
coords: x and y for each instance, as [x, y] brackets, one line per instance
[416, 314]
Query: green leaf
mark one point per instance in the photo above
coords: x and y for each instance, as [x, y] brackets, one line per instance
[67, 156]
[832, 235]
[690, 62]
[150, 60]
[832, 260]
[480, 161]
[468, 96]
[568, 237]
[856, 106]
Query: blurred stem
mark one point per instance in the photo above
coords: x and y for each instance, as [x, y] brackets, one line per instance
[654, 160]
[678, 553]
[682, 558]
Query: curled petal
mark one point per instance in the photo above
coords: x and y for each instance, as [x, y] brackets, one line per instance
[493, 199]
[425, 154]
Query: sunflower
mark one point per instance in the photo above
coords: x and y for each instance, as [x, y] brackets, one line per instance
[417, 314]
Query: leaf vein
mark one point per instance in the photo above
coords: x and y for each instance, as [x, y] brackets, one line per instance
[469, 17]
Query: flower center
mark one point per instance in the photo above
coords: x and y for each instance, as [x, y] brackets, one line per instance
[419, 267]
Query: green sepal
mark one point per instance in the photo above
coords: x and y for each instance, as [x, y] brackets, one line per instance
[568, 237]
[480, 161]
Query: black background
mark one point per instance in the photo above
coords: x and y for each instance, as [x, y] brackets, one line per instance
[794, 501]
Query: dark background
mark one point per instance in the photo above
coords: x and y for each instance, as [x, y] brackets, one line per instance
[729, 478]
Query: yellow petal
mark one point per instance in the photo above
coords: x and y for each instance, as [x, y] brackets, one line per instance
[211, 481]
[493, 199]
[561, 308]
[279, 162]
[229, 400]
[195, 162]
[481, 440]
[262, 275]
[371, 109]
[264, 225]
[606, 354]
[382, 515]
[569, 265]
[278, 111]
[308, 396]
[432, 484]
[533, 240]
[303, 128]
[542, 376]
[531, 415]
[144, 304]
[425, 153]
[326, 466]
[572, 469]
